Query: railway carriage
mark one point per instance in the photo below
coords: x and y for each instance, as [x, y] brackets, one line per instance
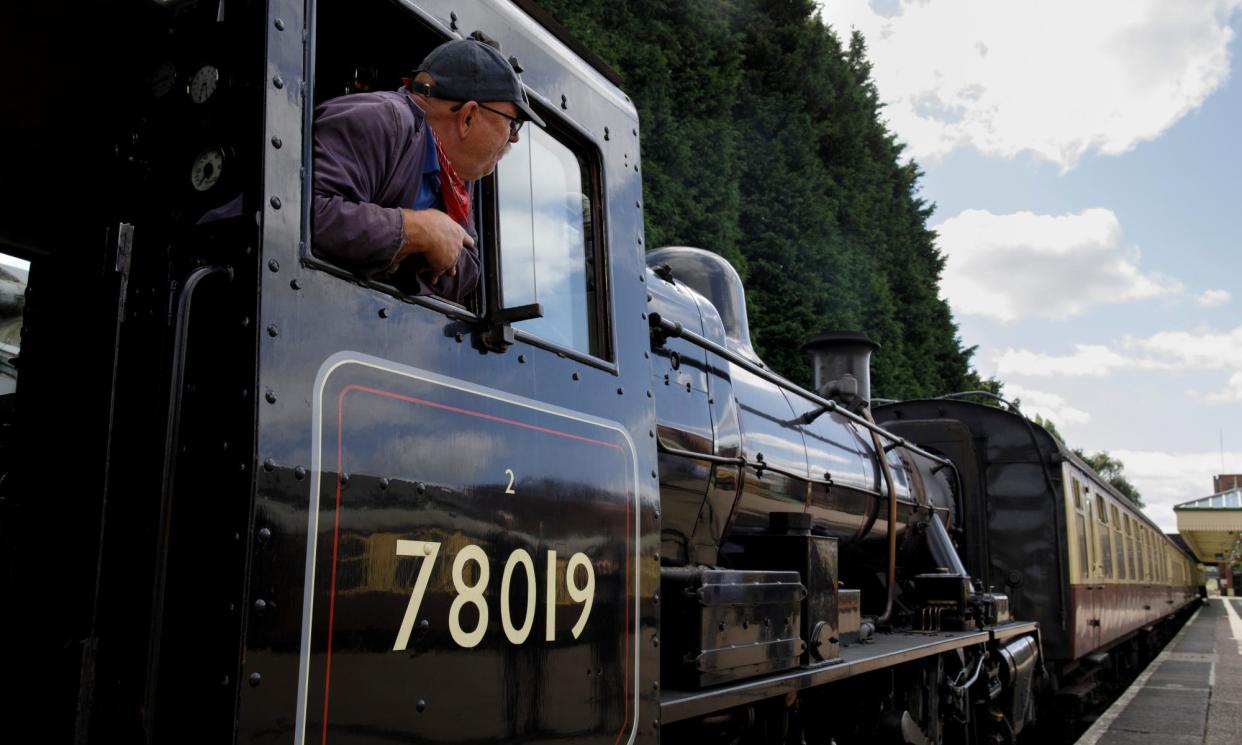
[248, 496]
[1067, 548]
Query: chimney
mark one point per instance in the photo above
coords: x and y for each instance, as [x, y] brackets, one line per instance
[841, 361]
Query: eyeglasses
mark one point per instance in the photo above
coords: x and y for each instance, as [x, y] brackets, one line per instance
[515, 124]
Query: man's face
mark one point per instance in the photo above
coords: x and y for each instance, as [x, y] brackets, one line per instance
[487, 139]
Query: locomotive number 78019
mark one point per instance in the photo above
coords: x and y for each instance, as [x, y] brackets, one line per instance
[472, 594]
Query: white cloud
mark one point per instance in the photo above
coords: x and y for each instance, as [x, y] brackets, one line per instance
[1213, 298]
[1087, 360]
[1232, 391]
[1056, 78]
[1165, 479]
[1206, 349]
[1167, 350]
[1051, 266]
[1047, 405]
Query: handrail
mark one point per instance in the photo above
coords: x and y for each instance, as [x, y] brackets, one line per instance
[172, 438]
[674, 329]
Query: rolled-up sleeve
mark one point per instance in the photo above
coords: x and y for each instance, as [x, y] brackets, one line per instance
[355, 147]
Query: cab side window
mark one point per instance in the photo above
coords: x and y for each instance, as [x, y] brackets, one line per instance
[548, 233]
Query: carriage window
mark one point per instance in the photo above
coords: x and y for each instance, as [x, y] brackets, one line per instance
[1119, 543]
[548, 233]
[1106, 543]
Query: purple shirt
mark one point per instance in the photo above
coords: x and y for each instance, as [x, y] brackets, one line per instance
[370, 150]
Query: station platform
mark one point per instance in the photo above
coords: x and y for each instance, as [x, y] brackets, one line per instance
[1191, 694]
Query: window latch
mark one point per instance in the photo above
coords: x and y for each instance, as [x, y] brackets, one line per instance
[498, 336]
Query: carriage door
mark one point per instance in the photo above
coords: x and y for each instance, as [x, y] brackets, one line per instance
[1092, 606]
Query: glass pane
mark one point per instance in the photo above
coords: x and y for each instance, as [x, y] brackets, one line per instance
[1080, 527]
[13, 274]
[546, 239]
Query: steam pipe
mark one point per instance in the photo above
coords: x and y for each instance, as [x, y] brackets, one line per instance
[882, 454]
[666, 328]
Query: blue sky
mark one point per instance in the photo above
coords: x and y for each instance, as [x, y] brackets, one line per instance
[1085, 164]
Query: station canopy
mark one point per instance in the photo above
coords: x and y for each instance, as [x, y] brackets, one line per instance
[1211, 526]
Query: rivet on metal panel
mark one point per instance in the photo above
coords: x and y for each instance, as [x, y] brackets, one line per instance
[521, 359]
[651, 433]
[383, 312]
[620, 391]
[273, 330]
[273, 265]
[299, 473]
[255, 680]
[271, 396]
[654, 475]
[649, 393]
[644, 316]
[607, 134]
[574, 376]
[421, 705]
[277, 142]
[639, 205]
[275, 202]
[260, 605]
[457, 337]
[279, 24]
[265, 535]
[635, 168]
[269, 465]
[295, 284]
[245, 322]
[635, 130]
[278, 81]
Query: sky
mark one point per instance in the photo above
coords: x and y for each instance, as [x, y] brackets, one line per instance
[1085, 165]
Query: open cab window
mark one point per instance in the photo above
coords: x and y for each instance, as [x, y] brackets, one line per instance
[548, 236]
[539, 216]
[13, 274]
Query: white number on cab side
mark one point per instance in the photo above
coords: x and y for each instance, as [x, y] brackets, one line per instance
[473, 594]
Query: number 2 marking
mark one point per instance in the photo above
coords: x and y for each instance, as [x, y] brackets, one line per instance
[509, 488]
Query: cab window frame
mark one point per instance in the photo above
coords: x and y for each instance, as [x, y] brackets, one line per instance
[580, 142]
[485, 303]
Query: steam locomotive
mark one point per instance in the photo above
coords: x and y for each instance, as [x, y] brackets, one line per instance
[248, 496]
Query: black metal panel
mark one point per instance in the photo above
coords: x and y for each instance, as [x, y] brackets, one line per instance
[728, 625]
[1020, 496]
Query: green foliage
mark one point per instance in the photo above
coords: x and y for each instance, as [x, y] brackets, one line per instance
[1048, 425]
[762, 141]
[1112, 471]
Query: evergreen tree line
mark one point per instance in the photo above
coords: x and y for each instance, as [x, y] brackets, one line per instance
[762, 141]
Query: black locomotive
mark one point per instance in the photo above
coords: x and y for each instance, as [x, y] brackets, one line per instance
[250, 497]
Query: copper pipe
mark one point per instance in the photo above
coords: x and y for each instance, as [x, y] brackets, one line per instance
[892, 521]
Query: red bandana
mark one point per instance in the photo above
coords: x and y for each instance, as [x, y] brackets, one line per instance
[455, 192]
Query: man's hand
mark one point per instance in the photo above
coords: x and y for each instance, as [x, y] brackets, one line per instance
[434, 235]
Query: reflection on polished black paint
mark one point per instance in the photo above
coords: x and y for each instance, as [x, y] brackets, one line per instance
[427, 462]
